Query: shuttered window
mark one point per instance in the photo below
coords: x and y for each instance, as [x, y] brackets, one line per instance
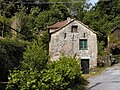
[83, 44]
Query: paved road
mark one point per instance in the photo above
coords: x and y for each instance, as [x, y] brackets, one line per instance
[108, 80]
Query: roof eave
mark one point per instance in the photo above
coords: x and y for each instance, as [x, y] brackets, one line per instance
[56, 30]
[115, 28]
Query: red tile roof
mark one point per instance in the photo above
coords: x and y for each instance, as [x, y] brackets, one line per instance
[58, 25]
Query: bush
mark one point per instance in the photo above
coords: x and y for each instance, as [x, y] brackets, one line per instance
[59, 75]
[28, 75]
[36, 73]
[11, 52]
[63, 74]
[115, 59]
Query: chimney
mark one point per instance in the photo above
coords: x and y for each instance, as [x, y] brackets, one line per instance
[69, 19]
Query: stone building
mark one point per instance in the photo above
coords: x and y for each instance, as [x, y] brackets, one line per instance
[114, 41]
[72, 37]
[116, 33]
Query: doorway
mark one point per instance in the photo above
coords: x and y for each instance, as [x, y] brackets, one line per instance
[85, 66]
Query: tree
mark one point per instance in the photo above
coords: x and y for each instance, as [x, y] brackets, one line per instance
[103, 17]
[35, 59]
[11, 52]
[25, 25]
[4, 31]
[103, 20]
[37, 73]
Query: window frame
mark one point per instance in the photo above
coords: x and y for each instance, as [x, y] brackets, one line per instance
[83, 44]
[74, 28]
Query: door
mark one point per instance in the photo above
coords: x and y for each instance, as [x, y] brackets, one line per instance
[85, 66]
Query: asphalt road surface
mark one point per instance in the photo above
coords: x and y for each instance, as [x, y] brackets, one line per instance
[108, 80]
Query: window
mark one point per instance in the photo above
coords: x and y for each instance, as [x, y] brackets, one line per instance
[64, 35]
[84, 35]
[83, 45]
[74, 28]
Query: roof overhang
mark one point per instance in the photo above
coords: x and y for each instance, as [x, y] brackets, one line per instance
[115, 28]
[56, 30]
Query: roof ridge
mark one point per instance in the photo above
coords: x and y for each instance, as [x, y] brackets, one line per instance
[118, 26]
[68, 22]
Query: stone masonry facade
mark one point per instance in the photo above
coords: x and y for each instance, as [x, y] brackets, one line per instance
[65, 42]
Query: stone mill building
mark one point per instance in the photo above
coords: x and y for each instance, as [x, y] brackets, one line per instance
[72, 37]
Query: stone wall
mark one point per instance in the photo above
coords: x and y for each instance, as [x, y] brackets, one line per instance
[66, 42]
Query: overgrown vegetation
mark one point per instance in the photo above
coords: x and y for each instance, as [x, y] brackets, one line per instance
[11, 53]
[25, 21]
[37, 73]
[115, 59]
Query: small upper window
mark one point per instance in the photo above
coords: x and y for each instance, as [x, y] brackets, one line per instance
[74, 28]
[64, 35]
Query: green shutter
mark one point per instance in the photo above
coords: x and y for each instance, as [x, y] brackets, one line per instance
[83, 45]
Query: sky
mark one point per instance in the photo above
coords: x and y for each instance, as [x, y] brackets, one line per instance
[93, 1]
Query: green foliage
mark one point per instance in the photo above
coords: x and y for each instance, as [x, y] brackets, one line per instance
[33, 20]
[113, 39]
[36, 73]
[78, 9]
[57, 12]
[11, 52]
[64, 74]
[34, 61]
[25, 26]
[44, 40]
[7, 9]
[23, 80]
[36, 21]
[115, 59]
[4, 31]
[101, 48]
[101, 20]
[35, 56]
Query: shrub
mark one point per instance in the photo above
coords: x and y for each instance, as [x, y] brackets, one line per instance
[64, 74]
[115, 59]
[36, 73]
[28, 75]
[11, 52]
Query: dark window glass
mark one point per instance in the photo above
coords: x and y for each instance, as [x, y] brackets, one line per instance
[74, 28]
